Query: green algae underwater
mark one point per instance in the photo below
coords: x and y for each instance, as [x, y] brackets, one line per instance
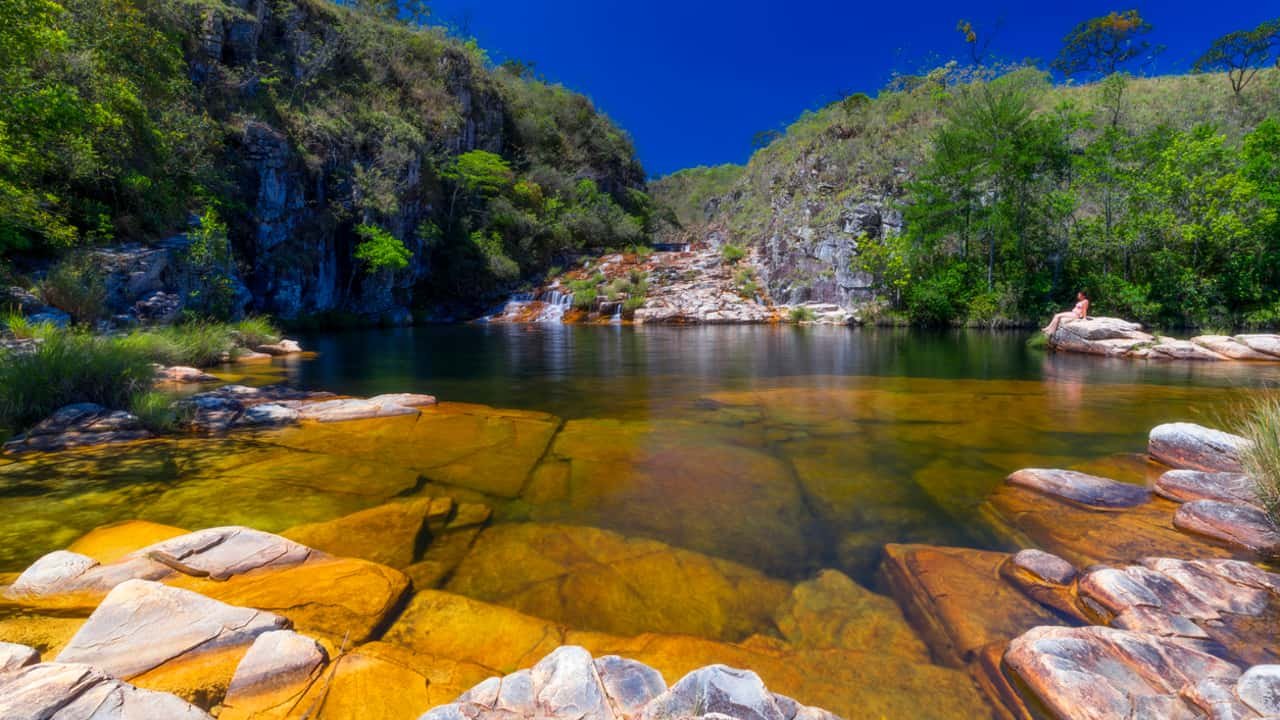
[689, 482]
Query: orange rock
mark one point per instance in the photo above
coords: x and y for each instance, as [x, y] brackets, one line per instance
[112, 542]
[391, 534]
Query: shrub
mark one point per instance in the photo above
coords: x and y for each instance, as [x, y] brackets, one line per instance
[209, 259]
[254, 331]
[77, 286]
[23, 329]
[156, 410]
[380, 250]
[585, 299]
[801, 314]
[199, 344]
[1261, 460]
[732, 254]
[632, 304]
[70, 367]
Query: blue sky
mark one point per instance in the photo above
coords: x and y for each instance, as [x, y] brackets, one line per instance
[694, 80]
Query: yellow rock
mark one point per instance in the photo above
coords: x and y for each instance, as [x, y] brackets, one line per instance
[832, 611]
[112, 542]
[441, 624]
[46, 633]
[331, 597]
[598, 580]
[392, 534]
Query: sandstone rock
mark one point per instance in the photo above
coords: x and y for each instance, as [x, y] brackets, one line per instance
[1266, 344]
[1259, 688]
[1087, 490]
[14, 657]
[394, 534]
[1230, 347]
[66, 691]
[1099, 336]
[113, 542]
[284, 347]
[268, 415]
[79, 425]
[598, 580]
[277, 671]
[1194, 447]
[832, 611]
[957, 600]
[1187, 485]
[1236, 524]
[353, 409]
[181, 375]
[1170, 349]
[142, 625]
[1099, 673]
[1045, 566]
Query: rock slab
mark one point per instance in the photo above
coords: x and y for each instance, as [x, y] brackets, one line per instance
[1188, 446]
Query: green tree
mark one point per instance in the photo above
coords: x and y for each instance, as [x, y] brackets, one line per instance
[1240, 54]
[1104, 45]
[379, 250]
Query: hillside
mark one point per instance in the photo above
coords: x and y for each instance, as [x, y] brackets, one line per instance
[829, 204]
[353, 164]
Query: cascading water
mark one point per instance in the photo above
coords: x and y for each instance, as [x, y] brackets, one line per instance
[554, 305]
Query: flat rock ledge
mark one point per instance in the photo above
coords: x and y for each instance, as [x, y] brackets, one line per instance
[1187, 446]
[1079, 488]
[71, 691]
[569, 684]
[79, 425]
[237, 406]
[1114, 337]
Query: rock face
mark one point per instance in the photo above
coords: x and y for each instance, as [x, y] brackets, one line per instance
[79, 425]
[143, 625]
[67, 691]
[568, 684]
[1194, 447]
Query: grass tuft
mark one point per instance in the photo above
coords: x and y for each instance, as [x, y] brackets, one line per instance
[1261, 426]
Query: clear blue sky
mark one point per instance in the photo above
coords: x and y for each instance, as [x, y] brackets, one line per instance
[694, 80]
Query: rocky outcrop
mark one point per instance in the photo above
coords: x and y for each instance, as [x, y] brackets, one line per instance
[79, 425]
[1113, 337]
[568, 684]
[70, 691]
[237, 406]
[1195, 447]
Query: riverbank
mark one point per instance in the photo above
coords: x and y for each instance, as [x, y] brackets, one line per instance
[409, 517]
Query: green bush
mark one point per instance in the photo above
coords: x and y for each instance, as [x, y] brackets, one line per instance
[801, 314]
[77, 286]
[938, 300]
[23, 329]
[632, 304]
[732, 254]
[70, 367]
[585, 299]
[156, 411]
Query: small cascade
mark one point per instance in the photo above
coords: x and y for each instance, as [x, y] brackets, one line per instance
[616, 318]
[555, 303]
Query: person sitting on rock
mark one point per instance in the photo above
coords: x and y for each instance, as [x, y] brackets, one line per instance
[1079, 312]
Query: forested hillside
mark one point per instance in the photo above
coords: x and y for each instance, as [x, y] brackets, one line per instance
[991, 195]
[336, 160]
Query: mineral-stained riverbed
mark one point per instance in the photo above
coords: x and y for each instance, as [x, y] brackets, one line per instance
[678, 481]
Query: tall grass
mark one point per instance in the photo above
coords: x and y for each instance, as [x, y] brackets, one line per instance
[69, 367]
[23, 329]
[198, 344]
[256, 330]
[1261, 460]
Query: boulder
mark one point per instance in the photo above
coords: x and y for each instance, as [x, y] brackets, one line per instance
[598, 580]
[1230, 348]
[1077, 487]
[144, 628]
[181, 375]
[1109, 337]
[14, 657]
[1099, 673]
[268, 415]
[69, 691]
[1045, 566]
[1236, 524]
[1194, 447]
[1187, 485]
[79, 425]
[722, 690]
[353, 409]
[1047, 579]
[1266, 344]
[284, 347]
[273, 675]
[1259, 688]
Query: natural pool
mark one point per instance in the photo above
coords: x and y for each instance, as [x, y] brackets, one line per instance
[782, 450]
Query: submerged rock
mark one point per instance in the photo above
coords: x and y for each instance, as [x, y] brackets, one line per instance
[69, 691]
[79, 425]
[1194, 447]
[393, 534]
[1088, 490]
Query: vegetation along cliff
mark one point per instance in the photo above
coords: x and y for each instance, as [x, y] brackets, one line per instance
[989, 194]
[333, 160]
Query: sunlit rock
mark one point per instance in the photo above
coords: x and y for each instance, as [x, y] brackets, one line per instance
[1102, 673]
[79, 425]
[15, 657]
[284, 347]
[1188, 485]
[167, 638]
[832, 611]
[1230, 348]
[273, 676]
[1259, 688]
[598, 580]
[113, 542]
[1266, 344]
[1194, 447]
[451, 541]
[1236, 524]
[67, 691]
[181, 375]
[1076, 487]
[1171, 349]
[393, 534]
